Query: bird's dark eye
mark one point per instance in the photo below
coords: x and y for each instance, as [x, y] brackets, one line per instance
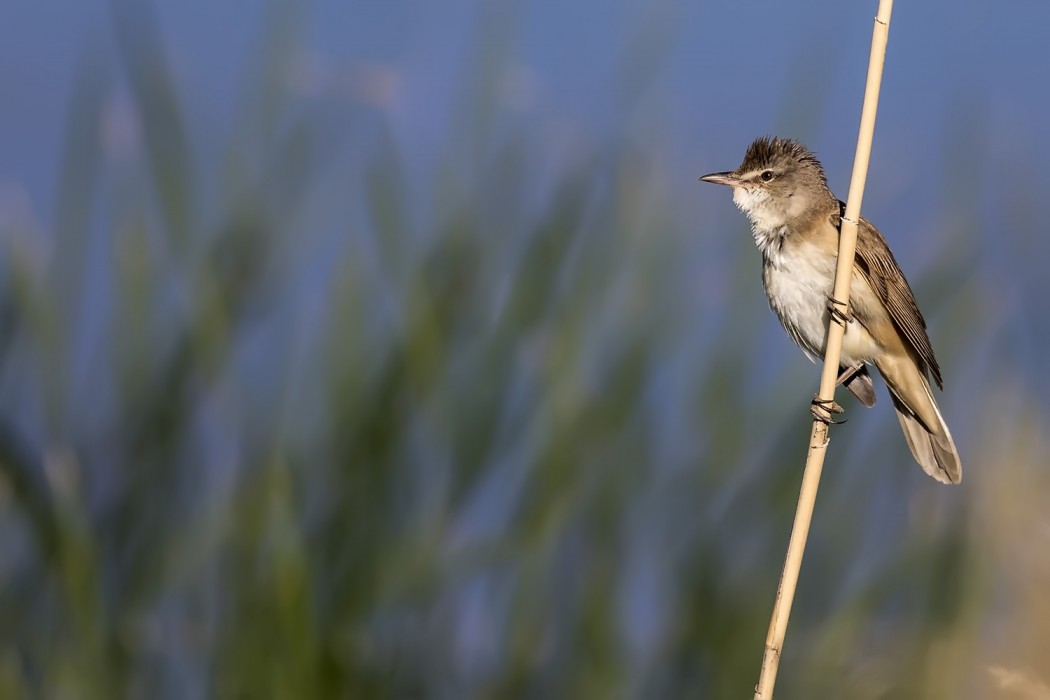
[767, 176]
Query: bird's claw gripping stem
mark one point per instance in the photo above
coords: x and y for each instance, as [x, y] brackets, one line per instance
[823, 409]
[839, 311]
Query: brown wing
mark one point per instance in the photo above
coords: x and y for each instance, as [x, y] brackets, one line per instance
[876, 261]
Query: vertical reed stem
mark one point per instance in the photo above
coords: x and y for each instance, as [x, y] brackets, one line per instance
[818, 441]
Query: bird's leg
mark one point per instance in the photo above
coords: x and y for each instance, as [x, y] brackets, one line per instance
[839, 311]
[848, 373]
[822, 410]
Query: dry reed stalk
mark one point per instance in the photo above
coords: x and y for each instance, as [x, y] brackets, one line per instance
[818, 441]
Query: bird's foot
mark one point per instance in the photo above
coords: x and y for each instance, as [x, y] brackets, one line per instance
[839, 311]
[824, 410]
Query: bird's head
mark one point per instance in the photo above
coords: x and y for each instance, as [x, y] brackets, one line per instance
[779, 180]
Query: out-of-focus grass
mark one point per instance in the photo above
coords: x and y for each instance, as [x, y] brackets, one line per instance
[290, 438]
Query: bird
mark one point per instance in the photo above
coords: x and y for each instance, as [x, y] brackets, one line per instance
[795, 221]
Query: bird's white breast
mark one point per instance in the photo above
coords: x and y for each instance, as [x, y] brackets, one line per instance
[799, 278]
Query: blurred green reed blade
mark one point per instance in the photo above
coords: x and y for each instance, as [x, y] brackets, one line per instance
[386, 183]
[53, 311]
[536, 291]
[245, 271]
[531, 300]
[80, 176]
[24, 475]
[258, 178]
[484, 76]
[266, 562]
[269, 75]
[141, 42]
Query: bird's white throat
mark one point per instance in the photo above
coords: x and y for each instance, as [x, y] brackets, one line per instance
[768, 218]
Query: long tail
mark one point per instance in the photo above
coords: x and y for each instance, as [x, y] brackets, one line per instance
[924, 428]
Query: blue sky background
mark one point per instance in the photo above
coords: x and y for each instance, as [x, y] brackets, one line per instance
[724, 72]
[965, 92]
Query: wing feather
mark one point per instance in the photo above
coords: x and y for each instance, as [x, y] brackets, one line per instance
[879, 267]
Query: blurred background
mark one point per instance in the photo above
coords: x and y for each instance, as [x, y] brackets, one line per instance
[391, 349]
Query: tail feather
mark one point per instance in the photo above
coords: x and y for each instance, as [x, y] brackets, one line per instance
[924, 428]
[934, 451]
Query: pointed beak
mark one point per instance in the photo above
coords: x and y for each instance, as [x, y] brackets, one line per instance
[723, 179]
